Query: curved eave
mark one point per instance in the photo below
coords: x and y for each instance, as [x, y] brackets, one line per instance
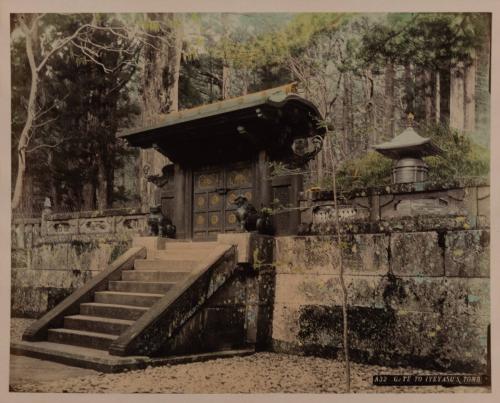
[421, 149]
[220, 114]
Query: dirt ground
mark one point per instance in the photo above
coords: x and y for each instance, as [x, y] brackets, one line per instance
[263, 372]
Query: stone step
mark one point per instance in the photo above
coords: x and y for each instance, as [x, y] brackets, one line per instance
[104, 362]
[154, 275]
[190, 245]
[97, 324]
[126, 298]
[112, 310]
[153, 287]
[173, 265]
[192, 253]
[178, 255]
[100, 341]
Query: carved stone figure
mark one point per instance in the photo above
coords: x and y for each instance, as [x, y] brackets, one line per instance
[304, 150]
[158, 180]
[246, 213]
[159, 225]
[264, 222]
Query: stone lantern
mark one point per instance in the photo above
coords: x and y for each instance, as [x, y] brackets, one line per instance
[407, 149]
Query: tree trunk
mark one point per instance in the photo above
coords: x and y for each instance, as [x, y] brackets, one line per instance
[470, 96]
[225, 82]
[428, 96]
[347, 116]
[319, 168]
[389, 104]
[30, 116]
[457, 97]
[409, 90]
[343, 287]
[102, 185]
[174, 61]
[160, 96]
[88, 196]
[371, 137]
[437, 98]
[154, 89]
[110, 184]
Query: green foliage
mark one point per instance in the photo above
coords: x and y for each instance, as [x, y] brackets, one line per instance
[461, 158]
[82, 107]
[370, 170]
[431, 40]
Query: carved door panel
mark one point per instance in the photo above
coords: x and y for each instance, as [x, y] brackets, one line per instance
[214, 190]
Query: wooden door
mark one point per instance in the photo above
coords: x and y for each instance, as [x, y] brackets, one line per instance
[214, 190]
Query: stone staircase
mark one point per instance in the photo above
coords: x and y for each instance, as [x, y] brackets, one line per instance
[127, 296]
[114, 310]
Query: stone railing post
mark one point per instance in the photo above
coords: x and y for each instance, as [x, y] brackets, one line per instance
[19, 233]
[46, 212]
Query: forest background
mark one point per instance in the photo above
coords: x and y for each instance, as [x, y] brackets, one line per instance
[78, 79]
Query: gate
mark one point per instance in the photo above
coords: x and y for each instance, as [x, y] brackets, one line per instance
[214, 191]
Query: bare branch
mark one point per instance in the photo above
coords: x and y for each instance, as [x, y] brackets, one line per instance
[44, 123]
[54, 104]
[38, 147]
[35, 21]
[87, 52]
[61, 44]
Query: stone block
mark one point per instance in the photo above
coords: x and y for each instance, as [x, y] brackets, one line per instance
[59, 227]
[385, 336]
[416, 254]
[285, 322]
[92, 255]
[149, 242]
[306, 255]
[366, 254]
[49, 278]
[467, 253]
[483, 222]
[293, 289]
[28, 301]
[133, 224]
[266, 279]
[233, 292]
[101, 225]
[483, 201]
[252, 248]
[469, 296]
[51, 256]
[363, 254]
[19, 258]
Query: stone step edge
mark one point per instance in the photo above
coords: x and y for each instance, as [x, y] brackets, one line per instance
[103, 304]
[113, 364]
[187, 271]
[101, 319]
[172, 283]
[136, 294]
[84, 333]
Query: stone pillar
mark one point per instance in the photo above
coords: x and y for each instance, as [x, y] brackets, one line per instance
[264, 190]
[181, 205]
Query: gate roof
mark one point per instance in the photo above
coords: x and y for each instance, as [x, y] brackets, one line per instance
[232, 129]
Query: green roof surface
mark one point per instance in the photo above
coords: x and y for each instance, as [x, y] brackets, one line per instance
[273, 96]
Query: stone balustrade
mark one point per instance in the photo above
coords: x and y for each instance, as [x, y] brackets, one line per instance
[53, 255]
[470, 199]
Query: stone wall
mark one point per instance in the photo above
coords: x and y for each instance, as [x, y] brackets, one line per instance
[418, 292]
[54, 255]
[469, 198]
